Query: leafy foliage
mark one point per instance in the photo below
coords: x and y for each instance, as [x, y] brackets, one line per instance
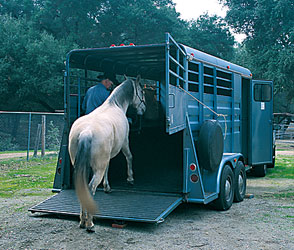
[208, 29]
[31, 65]
[37, 34]
[53, 138]
[269, 47]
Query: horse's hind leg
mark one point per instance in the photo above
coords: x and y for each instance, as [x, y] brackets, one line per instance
[127, 153]
[96, 179]
[83, 218]
[106, 185]
[86, 220]
[89, 223]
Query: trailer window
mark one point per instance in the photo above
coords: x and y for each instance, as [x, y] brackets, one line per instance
[224, 83]
[262, 92]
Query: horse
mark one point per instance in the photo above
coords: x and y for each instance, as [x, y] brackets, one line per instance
[96, 138]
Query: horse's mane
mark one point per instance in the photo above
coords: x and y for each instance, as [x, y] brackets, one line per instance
[122, 93]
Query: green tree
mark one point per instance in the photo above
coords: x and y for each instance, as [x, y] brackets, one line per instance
[211, 35]
[269, 47]
[139, 22]
[31, 65]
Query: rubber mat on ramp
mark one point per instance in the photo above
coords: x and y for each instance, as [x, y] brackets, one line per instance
[118, 205]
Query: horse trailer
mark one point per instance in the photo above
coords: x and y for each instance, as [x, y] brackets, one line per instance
[207, 121]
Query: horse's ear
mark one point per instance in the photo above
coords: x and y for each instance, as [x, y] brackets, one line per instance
[125, 77]
[138, 79]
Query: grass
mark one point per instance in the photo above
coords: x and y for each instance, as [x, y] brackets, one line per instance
[8, 152]
[284, 168]
[27, 178]
[35, 177]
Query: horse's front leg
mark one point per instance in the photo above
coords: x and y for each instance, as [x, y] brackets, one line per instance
[127, 153]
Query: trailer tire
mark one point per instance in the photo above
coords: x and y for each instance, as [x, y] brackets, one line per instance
[272, 165]
[210, 145]
[259, 170]
[226, 194]
[240, 182]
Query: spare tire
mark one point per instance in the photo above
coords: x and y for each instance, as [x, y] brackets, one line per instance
[210, 145]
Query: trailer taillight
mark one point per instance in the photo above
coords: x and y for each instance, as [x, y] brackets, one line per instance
[194, 178]
[60, 161]
[112, 45]
[193, 167]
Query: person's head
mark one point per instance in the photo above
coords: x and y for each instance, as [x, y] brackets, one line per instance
[107, 79]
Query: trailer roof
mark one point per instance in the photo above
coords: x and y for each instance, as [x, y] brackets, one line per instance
[147, 60]
[206, 58]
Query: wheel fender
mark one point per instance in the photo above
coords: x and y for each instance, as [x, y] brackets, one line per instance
[230, 160]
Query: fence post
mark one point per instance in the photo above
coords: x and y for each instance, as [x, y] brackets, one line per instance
[37, 140]
[29, 136]
[43, 134]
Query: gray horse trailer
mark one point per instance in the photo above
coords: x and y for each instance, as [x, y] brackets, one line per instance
[206, 122]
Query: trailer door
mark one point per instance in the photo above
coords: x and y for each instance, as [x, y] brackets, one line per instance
[175, 77]
[261, 129]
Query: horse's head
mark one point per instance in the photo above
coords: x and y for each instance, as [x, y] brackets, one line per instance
[139, 97]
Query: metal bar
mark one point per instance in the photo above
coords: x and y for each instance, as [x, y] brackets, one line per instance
[176, 62]
[29, 136]
[185, 165]
[201, 92]
[225, 88]
[233, 116]
[167, 56]
[43, 135]
[175, 43]
[214, 93]
[186, 74]
[178, 68]
[193, 72]
[168, 210]
[223, 79]
[33, 113]
[196, 83]
[176, 75]
[79, 97]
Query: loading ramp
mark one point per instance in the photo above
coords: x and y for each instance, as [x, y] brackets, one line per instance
[118, 205]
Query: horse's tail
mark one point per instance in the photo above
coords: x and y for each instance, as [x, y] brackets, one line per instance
[81, 173]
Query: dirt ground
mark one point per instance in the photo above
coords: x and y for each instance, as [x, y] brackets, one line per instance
[264, 222]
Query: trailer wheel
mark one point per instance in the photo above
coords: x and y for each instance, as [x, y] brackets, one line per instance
[259, 170]
[240, 182]
[226, 194]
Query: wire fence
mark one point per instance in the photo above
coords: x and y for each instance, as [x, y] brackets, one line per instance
[284, 131]
[30, 131]
[39, 132]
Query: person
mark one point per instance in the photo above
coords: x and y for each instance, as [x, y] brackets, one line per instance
[96, 95]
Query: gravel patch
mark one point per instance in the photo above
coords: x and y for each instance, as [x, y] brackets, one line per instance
[264, 222]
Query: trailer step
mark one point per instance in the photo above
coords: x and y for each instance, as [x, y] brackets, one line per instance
[118, 205]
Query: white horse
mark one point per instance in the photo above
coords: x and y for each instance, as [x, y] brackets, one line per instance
[99, 136]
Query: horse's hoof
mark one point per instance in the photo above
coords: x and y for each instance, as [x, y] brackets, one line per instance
[107, 190]
[131, 183]
[82, 225]
[90, 229]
